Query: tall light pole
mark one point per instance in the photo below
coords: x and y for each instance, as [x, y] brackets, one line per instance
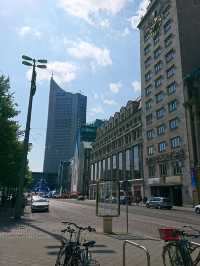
[41, 63]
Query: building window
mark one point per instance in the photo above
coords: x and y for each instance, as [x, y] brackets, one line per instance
[157, 52]
[172, 106]
[175, 142]
[162, 146]
[171, 88]
[173, 124]
[159, 97]
[166, 12]
[150, 134]
[156, 39]
[147, 49]
[149, 104]
[167, 26]
[150, 150]
[170, 56]
[148, 76]
[168, 40]
[147, 62]
[161, 130]
[148, 90]
[171, 71]
[146, 37]
[177, 168]
[152, 171]
[163, 169]
[160, 113]
[149, 119]
[158, 67]
[158, 82]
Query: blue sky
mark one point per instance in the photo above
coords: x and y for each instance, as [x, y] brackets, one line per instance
[92, 47]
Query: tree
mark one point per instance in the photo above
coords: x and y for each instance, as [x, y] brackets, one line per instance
[10, 145]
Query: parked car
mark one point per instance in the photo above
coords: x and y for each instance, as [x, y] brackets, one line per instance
[39, 204]
[197, 208]
[81, 197]
[159, 203]
[110, 199]
[124, 197]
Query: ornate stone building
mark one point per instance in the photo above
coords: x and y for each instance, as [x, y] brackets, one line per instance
[117, 151]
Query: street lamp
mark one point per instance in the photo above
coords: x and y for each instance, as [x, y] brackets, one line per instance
[41, 63]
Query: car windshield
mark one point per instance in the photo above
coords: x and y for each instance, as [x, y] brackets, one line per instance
[39, 200]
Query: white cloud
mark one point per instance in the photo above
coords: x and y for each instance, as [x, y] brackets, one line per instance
[115, 87]
[87, 9]
[139, 14]
[136, 85]
[125, 32]
[109, 102]
[105, 23]
[63, 72]
[27, 30]
[85, 50]
[95, 95]
[97, 110]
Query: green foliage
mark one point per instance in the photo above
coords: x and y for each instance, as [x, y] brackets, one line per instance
[10, 146]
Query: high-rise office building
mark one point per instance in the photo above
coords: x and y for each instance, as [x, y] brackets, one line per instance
[169, 44]
[66, 114]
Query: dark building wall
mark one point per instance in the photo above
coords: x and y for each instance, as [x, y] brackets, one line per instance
[67, 113]
[188, 13]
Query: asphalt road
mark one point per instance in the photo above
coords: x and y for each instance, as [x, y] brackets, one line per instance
[35, 240]
[142, 221]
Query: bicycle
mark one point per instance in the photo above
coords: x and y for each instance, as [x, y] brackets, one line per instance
[179, 250]
[72, 252]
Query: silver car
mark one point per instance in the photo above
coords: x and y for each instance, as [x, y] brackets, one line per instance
[159, 203]
[197, 209]
[39, 204]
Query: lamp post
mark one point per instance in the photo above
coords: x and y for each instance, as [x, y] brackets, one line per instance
[41, 63]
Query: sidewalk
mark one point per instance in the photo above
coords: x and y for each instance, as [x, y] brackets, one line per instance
[36, 243]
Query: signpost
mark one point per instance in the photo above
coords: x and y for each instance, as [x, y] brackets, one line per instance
[125, 188]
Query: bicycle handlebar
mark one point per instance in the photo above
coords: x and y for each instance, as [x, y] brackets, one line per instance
[188, 234]
[89, 228]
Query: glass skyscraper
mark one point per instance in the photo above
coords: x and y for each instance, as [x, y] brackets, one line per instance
[66, 114]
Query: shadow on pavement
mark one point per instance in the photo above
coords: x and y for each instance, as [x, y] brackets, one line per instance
[56, 236]
[7, 224]
[52, 253]
[105, 251]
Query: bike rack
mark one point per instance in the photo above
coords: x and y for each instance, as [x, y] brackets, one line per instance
[137, 246]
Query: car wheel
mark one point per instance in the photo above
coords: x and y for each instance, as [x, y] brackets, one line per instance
[147, 205]
[197, 210]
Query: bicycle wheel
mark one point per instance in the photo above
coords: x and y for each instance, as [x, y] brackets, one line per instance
[63, 256]
[195, 254]
[172, 255]
[60, 261]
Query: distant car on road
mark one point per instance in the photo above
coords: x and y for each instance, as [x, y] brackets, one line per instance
[197, 209]
[124, 197]
[39, 204]
[159, 203]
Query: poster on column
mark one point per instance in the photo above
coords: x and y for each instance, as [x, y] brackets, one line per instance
[107, 202]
